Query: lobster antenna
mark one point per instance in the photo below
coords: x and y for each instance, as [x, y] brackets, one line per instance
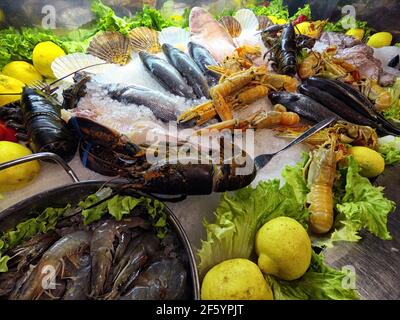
[47, 87]
[73, 73]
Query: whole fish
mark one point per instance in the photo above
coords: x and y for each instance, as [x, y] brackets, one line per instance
[203, 58]
[162, 106]
[188, 69]
[208, 32]
[353, 98]
[339, 107]
[302, 105]
[166, 75]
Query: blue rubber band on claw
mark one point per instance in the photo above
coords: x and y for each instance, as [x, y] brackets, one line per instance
[85, 155]
[75, 124]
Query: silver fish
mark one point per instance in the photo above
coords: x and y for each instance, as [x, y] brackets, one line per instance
[188, 69]
[166, 75]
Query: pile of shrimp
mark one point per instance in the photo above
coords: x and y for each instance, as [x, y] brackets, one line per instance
[116, 260]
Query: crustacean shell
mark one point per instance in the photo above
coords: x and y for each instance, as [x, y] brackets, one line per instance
[231, 25]
[247, 19]
[112, 47]
[145, 39]
[177, 37]
[65, 65]
[264, 22]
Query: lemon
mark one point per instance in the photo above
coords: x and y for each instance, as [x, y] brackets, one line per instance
[283, 248]
[236, 279]
[380, 39]
[303, 27]
[356, 33]
[281, 21]
[43, 55]
[273, 19]
[9, 85]
[371, 162]
[19, 176]
[22, 71]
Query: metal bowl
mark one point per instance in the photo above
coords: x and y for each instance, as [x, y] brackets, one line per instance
[75, 192]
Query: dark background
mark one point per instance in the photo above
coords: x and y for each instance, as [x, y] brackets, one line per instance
[383, 15]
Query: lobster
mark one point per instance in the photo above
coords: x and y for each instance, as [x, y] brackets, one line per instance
[37, 119]
[107, 152]
[284, 53]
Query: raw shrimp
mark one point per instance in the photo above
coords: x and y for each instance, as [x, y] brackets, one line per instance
[69, 247]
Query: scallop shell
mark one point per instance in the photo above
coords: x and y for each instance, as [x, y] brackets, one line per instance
[112, 47]
[144, 39]
[264, 22]
[231, 25]
[247, 20]
[65, 65]
[176, 37]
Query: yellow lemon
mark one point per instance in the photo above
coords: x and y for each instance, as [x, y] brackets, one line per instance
[9, 85]
[281, 21]
[43, 56]
[356, 33]
[22, 71]
[236, 279]
[380, 39]
[371, 162]
[303, 28]
[19, 176]
[273, 19]
[283, 248]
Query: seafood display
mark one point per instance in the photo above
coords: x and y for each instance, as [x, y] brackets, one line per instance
[289, 118]
[107, 259]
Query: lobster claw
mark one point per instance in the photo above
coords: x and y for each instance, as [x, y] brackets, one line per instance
[97, 134]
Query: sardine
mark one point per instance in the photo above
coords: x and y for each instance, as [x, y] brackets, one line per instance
[203, 58]
[188, 69]
[166, 75]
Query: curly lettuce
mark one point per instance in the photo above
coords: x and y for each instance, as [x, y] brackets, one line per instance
[120, 206]
[393, 113]
[319, 283]
[359, 205]
[389, 147]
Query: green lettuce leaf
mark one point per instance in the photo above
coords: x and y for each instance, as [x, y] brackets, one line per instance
[239, 216]
[393, 113]
[275, 8]
[338, 26]
[149, 17]
[319, 283]
[306, 11]
[96, 213]
[363, 206]
[389, 147]
[25, 230]
[121, 206]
